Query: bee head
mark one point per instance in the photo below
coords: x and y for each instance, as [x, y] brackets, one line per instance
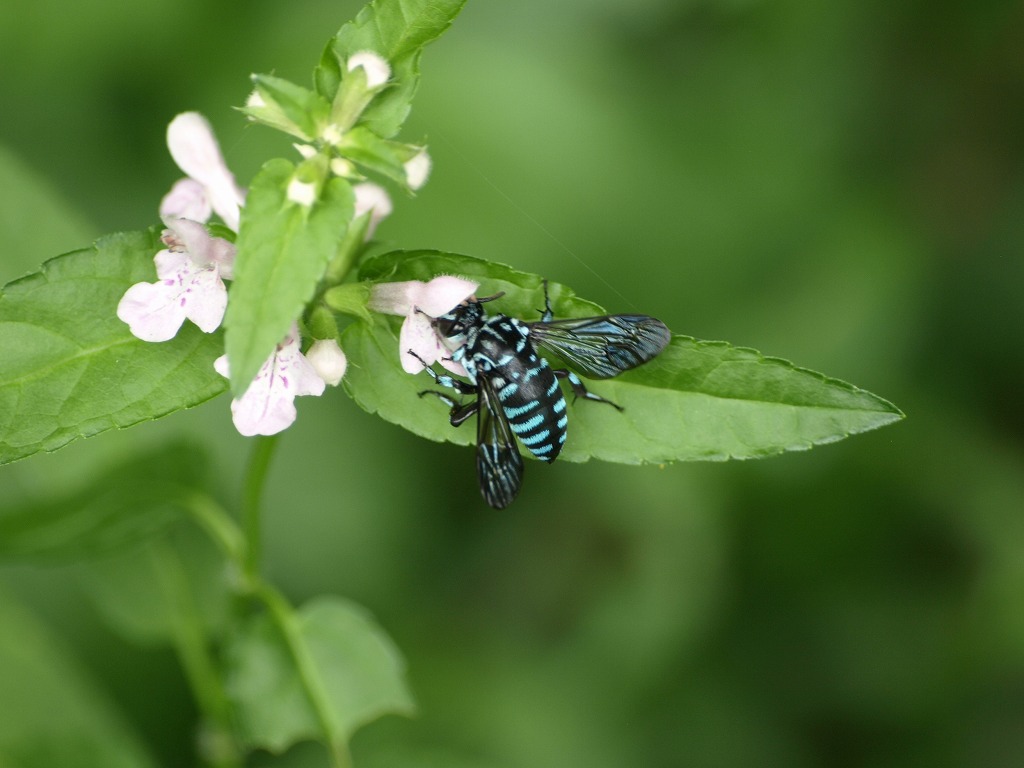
[454, 325]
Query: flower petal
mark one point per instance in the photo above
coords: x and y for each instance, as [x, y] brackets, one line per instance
[268, 407]
[374, 65]
[151, 311]
[261, 410]
[417, 169]
[418, 335]
[205, 299]
[394, 298]
[203, 249]
[187, 200]
[155, 311]
[196, 151]
[373, 199]
[444, 293]
[220, 365]
[173, 266]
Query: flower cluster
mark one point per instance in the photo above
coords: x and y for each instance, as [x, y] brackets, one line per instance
[330, 130]
[194, 265]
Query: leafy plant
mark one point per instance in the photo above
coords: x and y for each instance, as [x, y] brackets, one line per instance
[89, 345]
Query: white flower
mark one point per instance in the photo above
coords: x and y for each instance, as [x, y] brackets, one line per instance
[327, 360]
[187, 200]
[420, 302]
[268, 405]
[376, 68]
[191, 270]
[301, 192]
[371, 198]
[332, 134]
[417, 169]
[194, 148]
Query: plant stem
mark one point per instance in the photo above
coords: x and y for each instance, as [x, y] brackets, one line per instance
[252, 493]
[284, 617]
[218, 747]
[218, 525]
[242, 547]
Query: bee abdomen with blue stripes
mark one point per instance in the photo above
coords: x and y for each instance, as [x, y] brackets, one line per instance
[527, 387]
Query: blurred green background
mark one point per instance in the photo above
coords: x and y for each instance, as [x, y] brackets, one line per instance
[839, 184]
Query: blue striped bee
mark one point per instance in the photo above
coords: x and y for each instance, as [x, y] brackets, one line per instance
[517, 391]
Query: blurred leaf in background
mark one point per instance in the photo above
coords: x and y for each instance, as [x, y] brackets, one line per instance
[839, 184]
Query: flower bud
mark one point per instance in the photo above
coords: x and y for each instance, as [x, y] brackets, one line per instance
[372, 199]
[327, 360]
[376, 68]
[417, 169]
[302, 192]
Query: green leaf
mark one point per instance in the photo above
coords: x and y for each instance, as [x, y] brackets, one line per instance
[283, 250]
[71, 368]
[52, 713]
[698, 400]
[398, 30]
[356, 666]
[128, 504]
[369, 150]
[289, 107]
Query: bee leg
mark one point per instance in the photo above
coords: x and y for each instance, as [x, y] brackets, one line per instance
[462, 387]
[547, 314]
[581, 391]
[459, 412]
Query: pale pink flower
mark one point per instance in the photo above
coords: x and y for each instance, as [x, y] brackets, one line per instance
[210, 185]
[191, 270]
[268, 405]
[373, 199]
[420, 302]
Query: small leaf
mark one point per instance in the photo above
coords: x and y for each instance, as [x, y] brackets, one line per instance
[698, 400]
[369, 150]
[71, 368]
[398, 30]
[131, 503]
[289, 107]
[357, 666]
[283, 250]
[53, 715]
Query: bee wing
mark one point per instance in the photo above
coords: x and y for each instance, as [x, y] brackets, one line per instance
[499, 466]
[602, 347]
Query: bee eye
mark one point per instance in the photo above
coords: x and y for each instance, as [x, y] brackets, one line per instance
[446, 326]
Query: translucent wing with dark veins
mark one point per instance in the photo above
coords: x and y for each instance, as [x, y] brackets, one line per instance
[499, 466]
[602, 347]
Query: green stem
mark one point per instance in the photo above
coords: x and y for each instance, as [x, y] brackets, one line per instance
[284, 618]
[252, 493]
[242, 547]
[218, 747]
[214, 519]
